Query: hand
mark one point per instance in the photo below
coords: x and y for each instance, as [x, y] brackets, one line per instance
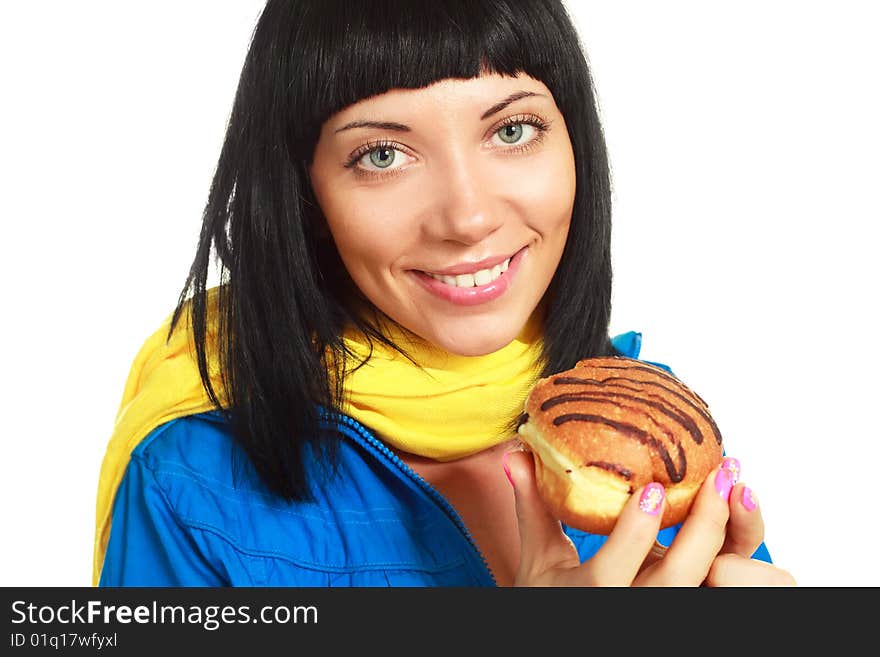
[712, 547]
[745, 532]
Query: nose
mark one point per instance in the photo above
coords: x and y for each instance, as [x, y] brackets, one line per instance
[465, 209]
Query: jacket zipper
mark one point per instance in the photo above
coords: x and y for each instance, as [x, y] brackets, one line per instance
[444, 504]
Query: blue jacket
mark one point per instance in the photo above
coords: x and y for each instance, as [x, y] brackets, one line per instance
[192, 511]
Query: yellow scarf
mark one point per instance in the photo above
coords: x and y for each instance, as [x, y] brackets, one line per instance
[450, 407]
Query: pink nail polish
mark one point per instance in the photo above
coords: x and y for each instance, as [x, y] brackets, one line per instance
[732, 466]
[507, 469]
[651, 500]
[723, 483]
[749, 500]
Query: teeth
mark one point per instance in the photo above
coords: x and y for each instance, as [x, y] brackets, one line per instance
[482, 277]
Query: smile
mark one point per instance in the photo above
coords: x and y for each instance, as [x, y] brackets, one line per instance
[481, 277]
[473, 288]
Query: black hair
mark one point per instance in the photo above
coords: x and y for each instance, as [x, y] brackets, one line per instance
[282, 302]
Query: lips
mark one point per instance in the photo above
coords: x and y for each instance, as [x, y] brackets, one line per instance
[466, 291]
[479, 277]
[470, 267]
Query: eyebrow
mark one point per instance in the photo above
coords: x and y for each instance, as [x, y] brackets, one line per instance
[400, 127]
[497, 107]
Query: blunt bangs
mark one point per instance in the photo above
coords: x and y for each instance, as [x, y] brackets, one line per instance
[335, 59]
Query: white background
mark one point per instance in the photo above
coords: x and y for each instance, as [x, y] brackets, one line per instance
[744, 143]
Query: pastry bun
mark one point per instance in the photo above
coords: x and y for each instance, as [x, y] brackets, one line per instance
[607, 427]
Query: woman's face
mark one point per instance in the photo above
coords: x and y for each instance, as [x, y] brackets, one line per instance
[450, 205]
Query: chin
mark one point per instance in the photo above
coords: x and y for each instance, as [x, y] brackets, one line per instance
[476, 345]
[473, 351]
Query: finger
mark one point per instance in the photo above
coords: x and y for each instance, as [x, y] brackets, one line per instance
[631, 541]
[543, 544]
[735, 570]
[745, 529]
[658, 551]
[701, 536]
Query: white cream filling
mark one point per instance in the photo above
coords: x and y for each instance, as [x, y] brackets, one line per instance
[594, 489]
[591, 489]
[481, 277]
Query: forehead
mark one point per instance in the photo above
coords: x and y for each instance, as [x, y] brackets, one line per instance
[471, 95]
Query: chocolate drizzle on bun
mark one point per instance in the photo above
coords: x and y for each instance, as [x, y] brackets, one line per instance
[607, 427]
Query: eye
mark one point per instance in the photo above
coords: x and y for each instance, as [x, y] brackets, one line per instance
[377, 157]
[512, 133]
[520, 131]
[381, 157]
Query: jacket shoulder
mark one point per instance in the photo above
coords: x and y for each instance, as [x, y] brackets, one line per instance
[361, 518]
[208, 480]
[200, 448]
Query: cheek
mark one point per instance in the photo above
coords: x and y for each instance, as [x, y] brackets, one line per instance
[362, 228]
[548, 193]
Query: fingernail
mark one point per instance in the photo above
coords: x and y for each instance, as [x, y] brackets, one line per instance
[732, 466]
[723, 483]
[651, 500]
[749, 500]
[507, 469]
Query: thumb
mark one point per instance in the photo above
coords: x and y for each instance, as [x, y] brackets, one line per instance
[543, 544]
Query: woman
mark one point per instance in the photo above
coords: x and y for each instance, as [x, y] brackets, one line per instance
[412, 217]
